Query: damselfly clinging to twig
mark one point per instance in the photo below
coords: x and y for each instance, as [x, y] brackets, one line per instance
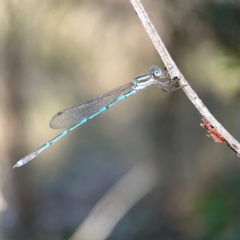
[73, 117]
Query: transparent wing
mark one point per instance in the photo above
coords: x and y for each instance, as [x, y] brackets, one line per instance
[70, 116]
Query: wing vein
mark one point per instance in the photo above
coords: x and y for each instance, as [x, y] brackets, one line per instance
[71, 116]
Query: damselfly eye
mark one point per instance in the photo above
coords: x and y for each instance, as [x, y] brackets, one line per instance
[157, 72]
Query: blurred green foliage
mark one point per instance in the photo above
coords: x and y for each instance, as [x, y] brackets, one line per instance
[218, 209]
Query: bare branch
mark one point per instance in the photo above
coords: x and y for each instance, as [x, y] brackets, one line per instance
[175, 73]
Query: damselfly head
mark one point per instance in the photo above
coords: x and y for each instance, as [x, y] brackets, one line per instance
[157, 72]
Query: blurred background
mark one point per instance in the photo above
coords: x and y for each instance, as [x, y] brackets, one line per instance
[58, 53]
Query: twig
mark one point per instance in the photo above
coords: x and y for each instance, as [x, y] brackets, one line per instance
[212, 132]
[175, 73]
[215, 135]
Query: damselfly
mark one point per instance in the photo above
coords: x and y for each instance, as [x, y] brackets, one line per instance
[73, 117]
